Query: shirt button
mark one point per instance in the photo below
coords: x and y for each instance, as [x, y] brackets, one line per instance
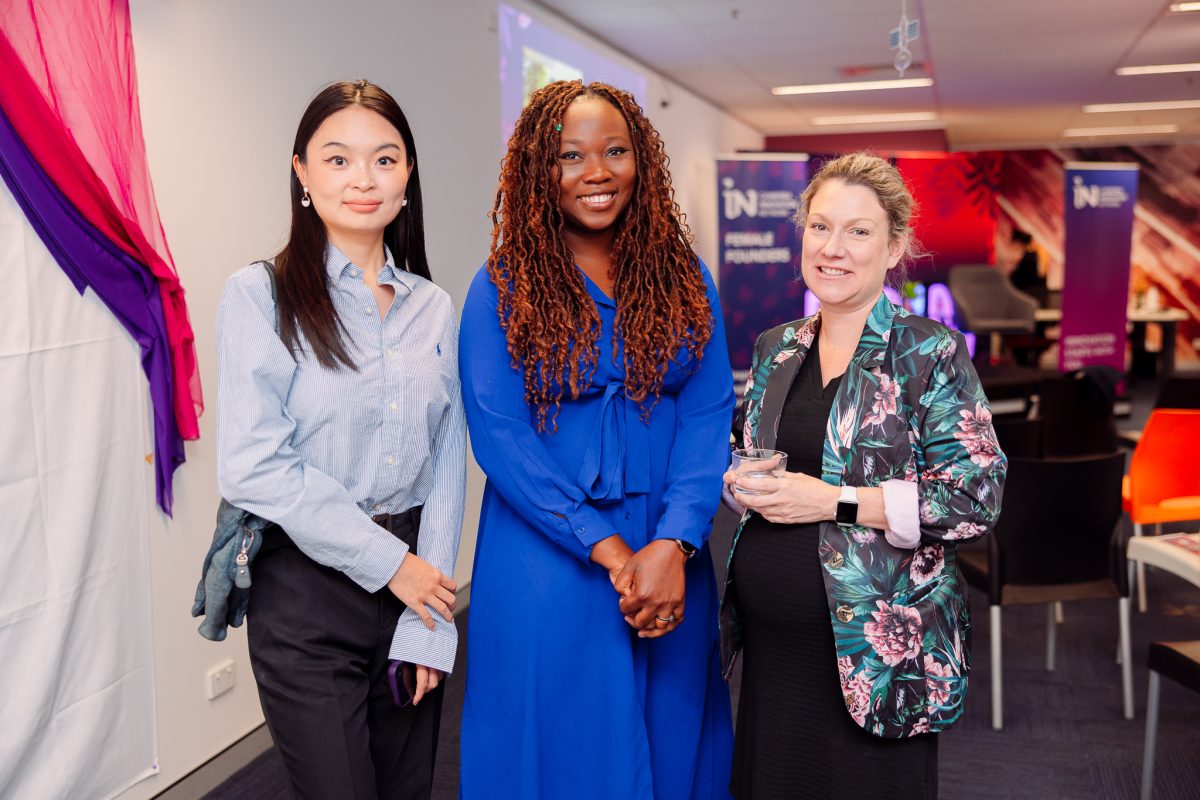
[844, 613]
[377, 507]
[627, 515]
[394, 406]
[581, 530]
[366, 309]
[391, 353]
[390, 460]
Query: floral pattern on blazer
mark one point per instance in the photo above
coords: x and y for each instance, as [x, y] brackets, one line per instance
[910, 407]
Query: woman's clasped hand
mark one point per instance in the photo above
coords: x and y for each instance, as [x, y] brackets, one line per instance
[650, 583]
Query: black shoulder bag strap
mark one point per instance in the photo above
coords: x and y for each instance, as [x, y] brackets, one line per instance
[270, 270]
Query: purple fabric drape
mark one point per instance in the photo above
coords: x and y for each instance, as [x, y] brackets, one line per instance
[70, 92]
[126, 287]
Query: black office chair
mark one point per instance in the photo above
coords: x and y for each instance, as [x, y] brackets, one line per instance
[1076, 410]
[1179, 391]
[1019, 438]
[1044, 550]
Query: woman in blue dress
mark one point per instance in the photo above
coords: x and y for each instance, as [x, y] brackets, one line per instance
[599, 397]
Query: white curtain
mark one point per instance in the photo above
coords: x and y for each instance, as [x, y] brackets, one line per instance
[76, 662]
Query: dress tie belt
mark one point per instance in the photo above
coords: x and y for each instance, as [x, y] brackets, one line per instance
[616, 461]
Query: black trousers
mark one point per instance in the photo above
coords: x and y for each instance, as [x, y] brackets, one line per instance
[319, 650]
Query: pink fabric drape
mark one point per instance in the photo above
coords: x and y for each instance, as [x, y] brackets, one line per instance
[70, 91]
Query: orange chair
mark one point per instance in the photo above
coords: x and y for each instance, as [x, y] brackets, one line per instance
[1163, 484]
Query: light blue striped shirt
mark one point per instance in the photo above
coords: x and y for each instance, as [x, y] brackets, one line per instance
[319, 451]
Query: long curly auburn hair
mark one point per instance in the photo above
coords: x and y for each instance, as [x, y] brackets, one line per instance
[551, 322]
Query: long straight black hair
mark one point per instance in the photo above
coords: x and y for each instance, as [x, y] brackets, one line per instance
[305, 306]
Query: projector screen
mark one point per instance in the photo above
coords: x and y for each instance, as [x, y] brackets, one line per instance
[532, 54]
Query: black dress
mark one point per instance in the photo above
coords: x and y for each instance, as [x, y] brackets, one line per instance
[795, 738]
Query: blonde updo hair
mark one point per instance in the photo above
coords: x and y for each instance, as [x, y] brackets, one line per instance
[882, 178]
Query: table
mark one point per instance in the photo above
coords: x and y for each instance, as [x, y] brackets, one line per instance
[1166, 318]
[1177, 553]
[1129, 438]
[1162, 315]
[1164, 552]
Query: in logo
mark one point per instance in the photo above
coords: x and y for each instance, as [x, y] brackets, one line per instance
[738, 202]
[1085, 196]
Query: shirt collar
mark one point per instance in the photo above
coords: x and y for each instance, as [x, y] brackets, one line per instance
[595, 291]
[338, 265]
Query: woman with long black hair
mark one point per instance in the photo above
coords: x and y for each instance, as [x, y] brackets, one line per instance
[340, 419]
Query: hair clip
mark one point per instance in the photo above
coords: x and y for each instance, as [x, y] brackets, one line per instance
[558, 127]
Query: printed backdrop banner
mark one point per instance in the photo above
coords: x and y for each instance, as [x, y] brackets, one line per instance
[955, 221]
[1098, 219]
[759, 247]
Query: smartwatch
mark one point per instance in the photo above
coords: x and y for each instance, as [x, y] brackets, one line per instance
[847, 507]
[687, 548]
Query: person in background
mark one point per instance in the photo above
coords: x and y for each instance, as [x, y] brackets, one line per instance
[844, 597]
[340, 419]
[1027, 275]
[598, 394]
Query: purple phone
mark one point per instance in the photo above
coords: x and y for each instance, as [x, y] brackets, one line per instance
[401, 696]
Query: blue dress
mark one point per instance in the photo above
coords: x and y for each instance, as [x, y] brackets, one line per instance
[562, 699]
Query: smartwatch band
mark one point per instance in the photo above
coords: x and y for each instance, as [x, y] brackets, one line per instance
[847, 507]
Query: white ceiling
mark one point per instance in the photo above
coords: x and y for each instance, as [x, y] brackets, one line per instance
[1006, 74]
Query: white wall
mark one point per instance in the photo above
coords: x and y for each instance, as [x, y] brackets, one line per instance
[222, 84]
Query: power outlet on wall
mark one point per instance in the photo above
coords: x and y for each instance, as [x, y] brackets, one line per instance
[220, 679]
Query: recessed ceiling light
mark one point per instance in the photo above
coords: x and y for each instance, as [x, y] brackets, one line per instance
[1180, 7]
[1128, 130]
[1165, 105]
[852, 86]
[871, 119]
[1158, 69]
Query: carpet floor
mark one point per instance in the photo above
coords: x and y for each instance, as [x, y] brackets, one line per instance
[1064, 736]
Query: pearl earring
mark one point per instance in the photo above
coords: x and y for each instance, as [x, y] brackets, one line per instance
[304, 201]
[404, 202]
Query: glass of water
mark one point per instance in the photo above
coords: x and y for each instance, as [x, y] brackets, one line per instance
[754, 462]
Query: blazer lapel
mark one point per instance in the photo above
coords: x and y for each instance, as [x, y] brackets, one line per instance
[785, 365]
[857, 392]
[876, 331]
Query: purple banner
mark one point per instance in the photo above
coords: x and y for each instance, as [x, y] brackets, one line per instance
[1098, 220]
[759, 247]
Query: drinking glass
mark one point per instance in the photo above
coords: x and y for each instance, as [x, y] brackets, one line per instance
[754, 462]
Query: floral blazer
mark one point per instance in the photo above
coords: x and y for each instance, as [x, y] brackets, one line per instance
[909, 407]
